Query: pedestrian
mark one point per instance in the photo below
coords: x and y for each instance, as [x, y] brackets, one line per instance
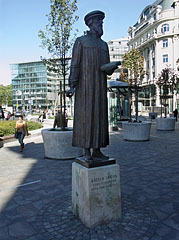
[21, 128]
[59, 120]
[2, 114]
[90, 66]
[6, 114]
[176, 114]
[44, 115]
[40, 118]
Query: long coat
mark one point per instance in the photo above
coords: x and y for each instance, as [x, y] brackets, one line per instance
[90, 129]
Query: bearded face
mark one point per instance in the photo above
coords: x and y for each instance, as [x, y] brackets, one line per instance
[97, 26]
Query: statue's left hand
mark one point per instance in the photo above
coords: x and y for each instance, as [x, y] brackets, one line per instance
[70, 92]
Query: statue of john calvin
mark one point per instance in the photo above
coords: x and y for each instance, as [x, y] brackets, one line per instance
[88, 80]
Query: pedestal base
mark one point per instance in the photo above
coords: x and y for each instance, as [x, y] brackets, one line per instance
[92, 164]
[96, 195]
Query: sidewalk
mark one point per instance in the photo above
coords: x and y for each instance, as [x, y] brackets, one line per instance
[35, 192]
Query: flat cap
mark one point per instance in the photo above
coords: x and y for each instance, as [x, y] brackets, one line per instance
[93, 14]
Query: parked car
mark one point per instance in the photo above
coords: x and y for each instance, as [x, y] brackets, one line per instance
[19, 113]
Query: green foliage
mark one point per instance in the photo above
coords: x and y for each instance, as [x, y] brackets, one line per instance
[133, 61]
[8, 127]
[168, 77]
[6, 95]
[56, 38]
[167, 81]
[33, 125]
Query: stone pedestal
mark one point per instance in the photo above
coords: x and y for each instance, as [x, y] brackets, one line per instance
[96, 195]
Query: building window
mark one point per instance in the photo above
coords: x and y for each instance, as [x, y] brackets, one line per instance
[155, 16]
[165, 58]
[165, 43]
[147, 11]
[165, 28]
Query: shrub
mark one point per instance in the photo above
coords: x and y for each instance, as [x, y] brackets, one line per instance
[8, 127]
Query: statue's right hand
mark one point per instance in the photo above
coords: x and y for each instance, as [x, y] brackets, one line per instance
[70, 92]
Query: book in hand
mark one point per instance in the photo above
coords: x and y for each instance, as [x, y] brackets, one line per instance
[110, 66]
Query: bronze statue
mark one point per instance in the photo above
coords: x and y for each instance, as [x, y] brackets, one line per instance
[90, 66]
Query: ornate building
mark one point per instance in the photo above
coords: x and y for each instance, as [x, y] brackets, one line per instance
[156, 34]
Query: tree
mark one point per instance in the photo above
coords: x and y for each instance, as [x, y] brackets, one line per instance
[57, 39]
[6, 95]
[133, 72]
[167, 81]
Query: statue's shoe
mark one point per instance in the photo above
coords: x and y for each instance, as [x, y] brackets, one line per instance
[99, 156]
[87, 157]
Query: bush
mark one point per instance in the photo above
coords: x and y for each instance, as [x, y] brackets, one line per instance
[8, 127]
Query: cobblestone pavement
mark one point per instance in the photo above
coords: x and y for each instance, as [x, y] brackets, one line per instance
[35, 193]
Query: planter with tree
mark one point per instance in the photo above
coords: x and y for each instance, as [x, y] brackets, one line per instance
[133, 72]
[167, 83]
[57, 39]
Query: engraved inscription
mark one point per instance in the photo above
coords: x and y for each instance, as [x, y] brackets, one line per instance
[103, 182]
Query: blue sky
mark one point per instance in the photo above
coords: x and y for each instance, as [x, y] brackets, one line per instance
[20, 21]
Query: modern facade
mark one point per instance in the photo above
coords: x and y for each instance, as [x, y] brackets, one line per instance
[156, 35]
[117, 48]
[33, 86]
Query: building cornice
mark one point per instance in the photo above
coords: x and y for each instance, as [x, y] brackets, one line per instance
[153, 26]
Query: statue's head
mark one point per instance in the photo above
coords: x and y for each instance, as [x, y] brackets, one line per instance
[94, 20]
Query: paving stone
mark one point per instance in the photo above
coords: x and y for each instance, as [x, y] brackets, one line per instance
[173, 221]
[42, 211]
[21, 230]
[4, 221]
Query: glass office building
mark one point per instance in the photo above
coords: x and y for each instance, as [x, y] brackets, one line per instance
[33, 87]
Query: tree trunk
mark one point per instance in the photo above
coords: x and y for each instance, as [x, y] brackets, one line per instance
[136, 102]
[61, 102]
[161, 101]
[129, 100]
[64, 95]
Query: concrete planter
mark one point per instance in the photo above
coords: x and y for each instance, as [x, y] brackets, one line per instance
[58, 145]
[136, 131]
[166, 124]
